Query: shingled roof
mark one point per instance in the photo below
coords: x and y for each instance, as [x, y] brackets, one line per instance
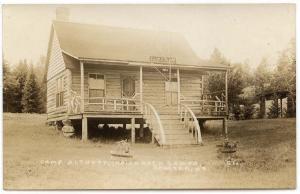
[98, 42]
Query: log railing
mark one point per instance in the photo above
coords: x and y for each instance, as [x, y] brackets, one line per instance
[153, 120]
[74, 103]
[190, 122]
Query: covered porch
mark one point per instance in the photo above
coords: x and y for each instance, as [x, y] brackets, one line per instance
[140, 91]
[138, 86]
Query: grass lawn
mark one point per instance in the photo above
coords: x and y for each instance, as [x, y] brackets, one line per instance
[39, 157]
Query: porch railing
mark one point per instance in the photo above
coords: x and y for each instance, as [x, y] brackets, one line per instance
[104, 104]
[190, 122]
[215, 107]
[214, 95]
[116, 104]
[153, 120]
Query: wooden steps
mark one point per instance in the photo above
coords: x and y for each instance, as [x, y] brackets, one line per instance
[174, 129]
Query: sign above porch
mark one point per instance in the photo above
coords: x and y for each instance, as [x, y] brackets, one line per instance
[163, 60]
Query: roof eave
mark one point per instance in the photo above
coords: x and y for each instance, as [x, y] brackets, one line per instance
[147, 64]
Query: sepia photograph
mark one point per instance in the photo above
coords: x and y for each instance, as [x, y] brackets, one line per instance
[149, 96]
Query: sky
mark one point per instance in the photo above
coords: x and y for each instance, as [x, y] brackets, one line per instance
[243, 33]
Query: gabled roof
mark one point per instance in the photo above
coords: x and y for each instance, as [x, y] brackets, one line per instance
[98, 42]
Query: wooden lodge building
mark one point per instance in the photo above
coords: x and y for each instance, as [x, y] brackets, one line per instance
[99, 74]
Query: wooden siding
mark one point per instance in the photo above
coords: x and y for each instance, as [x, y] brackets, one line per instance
[52, 110]
[56, 61]
[154, 88]
[56, 69]
[191, 85]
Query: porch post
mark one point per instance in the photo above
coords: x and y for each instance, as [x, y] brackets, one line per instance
[141, 88]
[132, 130]
[81, 87]
[226, 101]
[178, 90]
[202, 86]
[141, 129]
[225, 126]
[276, 104]
[281, 107]
[84, 132]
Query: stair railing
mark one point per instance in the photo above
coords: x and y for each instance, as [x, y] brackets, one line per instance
[153, 119]
[190, 122]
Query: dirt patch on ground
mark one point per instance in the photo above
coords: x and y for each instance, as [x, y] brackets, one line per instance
[39, 157]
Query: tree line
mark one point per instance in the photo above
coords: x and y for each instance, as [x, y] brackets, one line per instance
[247, 88]
[24, 89]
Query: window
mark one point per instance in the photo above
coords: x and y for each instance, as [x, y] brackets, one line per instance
[59, 92]
[96, 87]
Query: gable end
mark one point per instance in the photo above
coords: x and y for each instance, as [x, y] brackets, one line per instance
[55, 58]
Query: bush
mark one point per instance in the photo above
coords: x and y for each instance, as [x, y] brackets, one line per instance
[249, 110]
[273, 110]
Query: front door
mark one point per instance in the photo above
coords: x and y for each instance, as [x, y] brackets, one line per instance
[171, 91]
[128, 87]
[128, 91]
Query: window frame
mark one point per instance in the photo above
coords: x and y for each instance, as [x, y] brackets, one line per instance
[133, 78]
[60, 92]
[104, 77]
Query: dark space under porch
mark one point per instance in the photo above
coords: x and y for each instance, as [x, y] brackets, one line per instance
[110, 130]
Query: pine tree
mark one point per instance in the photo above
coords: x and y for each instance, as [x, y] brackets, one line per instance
[218, 58]
[9, 89]
[216, 80]
[31, 94]
[41, 66]
[20, 73]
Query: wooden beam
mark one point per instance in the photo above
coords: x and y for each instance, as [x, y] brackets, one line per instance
[178, 90]
[226, 92]
[226, 100]
[81, 87]
[84, 131]
[225, 128]
[276, 105]
[202, 85]
[111, 115]
[141, 134]
[149, 64]
[141, 88]
[280, 107]
[133, 130]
